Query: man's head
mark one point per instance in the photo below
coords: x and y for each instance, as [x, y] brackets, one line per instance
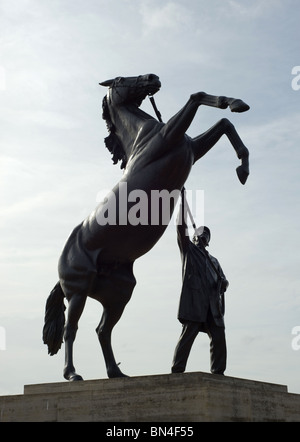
[202, 234]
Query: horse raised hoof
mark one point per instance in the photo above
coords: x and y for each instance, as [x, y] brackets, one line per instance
[238, 106]
[242, 173]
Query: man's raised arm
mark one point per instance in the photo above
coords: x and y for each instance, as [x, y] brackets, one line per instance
[181, 222]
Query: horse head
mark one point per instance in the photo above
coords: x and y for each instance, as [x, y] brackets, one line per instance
[125, 91]
[132, 89]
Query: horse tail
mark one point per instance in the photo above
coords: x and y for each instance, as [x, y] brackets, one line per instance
[54, 320]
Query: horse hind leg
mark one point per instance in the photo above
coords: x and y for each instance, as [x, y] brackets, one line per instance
[241, 150]
[110, 317]
[75, 309]
[204, 142]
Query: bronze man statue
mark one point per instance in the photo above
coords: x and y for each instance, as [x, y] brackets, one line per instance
[201, 307]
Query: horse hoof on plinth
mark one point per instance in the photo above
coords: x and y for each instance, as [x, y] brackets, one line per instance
[73, 377]
[116, 373]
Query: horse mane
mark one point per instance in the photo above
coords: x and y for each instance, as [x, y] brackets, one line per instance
[111, 142]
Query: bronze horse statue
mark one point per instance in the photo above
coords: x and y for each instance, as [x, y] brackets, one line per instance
[98, 257]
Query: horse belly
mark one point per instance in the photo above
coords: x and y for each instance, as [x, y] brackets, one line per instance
[122, 243]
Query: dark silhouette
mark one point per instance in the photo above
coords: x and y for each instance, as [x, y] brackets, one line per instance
[201, 307]
[97, 260]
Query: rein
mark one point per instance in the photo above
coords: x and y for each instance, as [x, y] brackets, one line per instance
[158, 114]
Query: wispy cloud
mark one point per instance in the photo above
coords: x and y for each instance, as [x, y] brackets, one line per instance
[253, 9]
[165, 16]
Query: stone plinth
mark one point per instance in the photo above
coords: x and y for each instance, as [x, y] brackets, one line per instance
[186, 397]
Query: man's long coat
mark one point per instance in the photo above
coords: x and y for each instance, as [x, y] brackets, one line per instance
[200, 283]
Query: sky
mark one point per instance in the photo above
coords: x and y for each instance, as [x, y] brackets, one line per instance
[53, 164]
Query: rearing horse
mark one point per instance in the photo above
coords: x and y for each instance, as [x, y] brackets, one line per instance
[97, 260]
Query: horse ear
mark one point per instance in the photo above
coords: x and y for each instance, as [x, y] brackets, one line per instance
[107, 83]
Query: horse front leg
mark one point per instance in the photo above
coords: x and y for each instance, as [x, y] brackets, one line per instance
[204, 142]
[176, 127]
[221, 102]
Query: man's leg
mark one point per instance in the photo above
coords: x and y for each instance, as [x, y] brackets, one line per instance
[183, 348]
[218, 351]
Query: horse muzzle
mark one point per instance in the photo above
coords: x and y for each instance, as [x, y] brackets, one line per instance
[152, 83]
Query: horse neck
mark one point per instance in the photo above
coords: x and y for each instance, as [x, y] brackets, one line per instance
[129, 121]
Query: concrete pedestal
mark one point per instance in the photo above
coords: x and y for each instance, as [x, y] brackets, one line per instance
[185, 397]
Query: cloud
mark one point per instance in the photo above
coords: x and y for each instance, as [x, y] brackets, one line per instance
[165, 17]
[253, 9]
[45, 118]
